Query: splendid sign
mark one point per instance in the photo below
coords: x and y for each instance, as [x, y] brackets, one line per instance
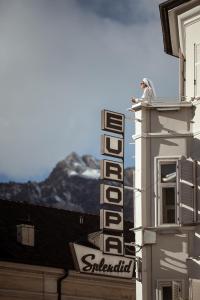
[110, 259]
[93, 261]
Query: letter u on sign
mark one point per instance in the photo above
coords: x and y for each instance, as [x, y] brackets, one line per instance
[112, 146]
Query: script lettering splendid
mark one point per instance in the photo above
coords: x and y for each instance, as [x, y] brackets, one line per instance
[94, 261]
[90, 266]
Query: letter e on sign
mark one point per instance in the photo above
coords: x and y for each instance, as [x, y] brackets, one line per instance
[112, 121]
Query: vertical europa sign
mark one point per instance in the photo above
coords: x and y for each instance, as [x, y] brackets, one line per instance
[112, 190]
[110, 259]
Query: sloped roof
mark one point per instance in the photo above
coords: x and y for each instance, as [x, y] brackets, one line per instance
[54, 230]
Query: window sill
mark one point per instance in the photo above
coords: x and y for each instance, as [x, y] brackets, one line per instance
[172, 228]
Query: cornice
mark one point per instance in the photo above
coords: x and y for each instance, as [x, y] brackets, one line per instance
[164, 9]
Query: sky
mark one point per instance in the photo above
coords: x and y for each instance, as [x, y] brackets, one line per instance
[61, 63]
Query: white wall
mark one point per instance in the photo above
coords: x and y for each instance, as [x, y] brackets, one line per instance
[160, 134]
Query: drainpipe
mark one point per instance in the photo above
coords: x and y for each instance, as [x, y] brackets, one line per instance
[59, 283]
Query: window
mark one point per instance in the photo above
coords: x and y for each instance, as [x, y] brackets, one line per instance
[167, 293]
[169, 290]
[168, 205]
[26, 234]
[194, 288]
[166, 187]
[196, 70]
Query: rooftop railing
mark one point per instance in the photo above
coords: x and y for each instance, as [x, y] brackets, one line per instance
[184, 100]
[164, 102]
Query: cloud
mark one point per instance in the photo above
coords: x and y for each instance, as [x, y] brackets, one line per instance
[126, 12]
[60, 64]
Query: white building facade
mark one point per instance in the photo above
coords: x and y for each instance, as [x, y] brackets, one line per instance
[167, 170]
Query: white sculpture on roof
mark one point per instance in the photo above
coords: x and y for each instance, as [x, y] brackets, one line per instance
[148, 91]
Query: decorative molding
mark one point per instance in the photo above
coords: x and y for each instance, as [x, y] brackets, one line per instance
[163, 135]
[164, 9]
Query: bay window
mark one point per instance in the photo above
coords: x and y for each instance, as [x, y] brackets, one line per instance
[167, 196]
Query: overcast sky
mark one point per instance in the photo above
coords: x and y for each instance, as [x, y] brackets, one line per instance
[61, 62]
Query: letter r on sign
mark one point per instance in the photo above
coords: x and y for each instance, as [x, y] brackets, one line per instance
[111, 170]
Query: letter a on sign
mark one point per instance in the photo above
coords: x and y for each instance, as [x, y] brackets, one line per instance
[112, 244]
[112, 121]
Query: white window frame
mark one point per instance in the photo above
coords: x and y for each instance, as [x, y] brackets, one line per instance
[158, 191]
[172, 283]
[185, 19]
[196, 66]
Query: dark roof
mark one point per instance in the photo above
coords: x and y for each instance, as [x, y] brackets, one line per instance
[164, 8]
[54, 230]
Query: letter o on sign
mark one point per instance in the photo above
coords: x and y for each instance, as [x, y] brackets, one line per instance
[112, 195]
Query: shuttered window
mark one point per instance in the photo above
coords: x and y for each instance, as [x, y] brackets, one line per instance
[197, 215]
[194, 289]
[176, 290]
[186, 188]
[177, 191]
[197, 70]
[26, 234]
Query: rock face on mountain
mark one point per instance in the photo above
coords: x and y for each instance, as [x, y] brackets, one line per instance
[73, 184]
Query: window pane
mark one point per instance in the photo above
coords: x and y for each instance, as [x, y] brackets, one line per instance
[168, 205]
[167, 293]
[168, 172]
[197, 70]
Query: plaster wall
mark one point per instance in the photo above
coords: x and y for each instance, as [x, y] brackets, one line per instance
[27, 282]
[170, 121]
[169, 258]
[173, 142]
[160, 134]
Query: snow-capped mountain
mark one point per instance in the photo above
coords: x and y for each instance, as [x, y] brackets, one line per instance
[73, 184]
[74, 165]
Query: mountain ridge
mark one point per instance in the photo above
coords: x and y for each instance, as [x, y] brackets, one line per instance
[73, 184]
